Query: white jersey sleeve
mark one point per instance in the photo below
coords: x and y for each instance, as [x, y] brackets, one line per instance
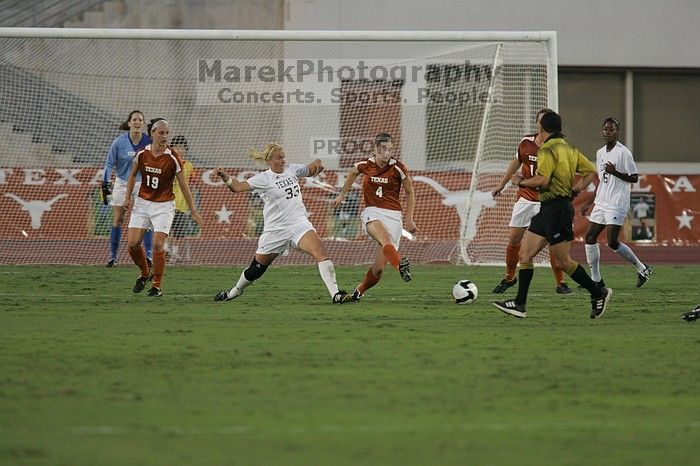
[299, 169]
[259, 182]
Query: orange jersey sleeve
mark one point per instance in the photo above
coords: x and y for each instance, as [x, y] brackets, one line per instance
[158, 174]
[381, 187]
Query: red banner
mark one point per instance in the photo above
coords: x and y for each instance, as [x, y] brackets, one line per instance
[63, 204]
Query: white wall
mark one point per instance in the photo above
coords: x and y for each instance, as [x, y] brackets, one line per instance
[623, 33]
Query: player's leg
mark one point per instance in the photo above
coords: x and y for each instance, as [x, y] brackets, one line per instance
[148, 245]
[115, 233]
[373, 276]
[161, 216]
[311, 244]
[531, 244]
[624, 251]
[378, 231]
[270, 245]
[134, 237]
[595, 227]
[515, 236]
[255, 270]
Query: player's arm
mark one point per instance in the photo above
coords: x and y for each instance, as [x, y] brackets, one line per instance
[407, 184]
[132, 181]
[349, 181]
[232, 183]
[107, 175]
[610, 168]
[187, 194]
[315, 167]
[510, 171]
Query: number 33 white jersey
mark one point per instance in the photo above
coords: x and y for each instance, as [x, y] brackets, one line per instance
[281, 194]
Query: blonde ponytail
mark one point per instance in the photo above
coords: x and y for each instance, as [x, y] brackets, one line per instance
[264, 155]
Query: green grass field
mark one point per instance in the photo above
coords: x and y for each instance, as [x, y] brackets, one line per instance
[92, 374]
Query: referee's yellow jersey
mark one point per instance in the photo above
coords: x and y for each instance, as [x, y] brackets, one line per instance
[560, 162]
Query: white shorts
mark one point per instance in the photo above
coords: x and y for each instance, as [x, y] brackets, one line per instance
[156, 215]
[607, 216]
[119, 192]
[276, 241]
[523, 211]
[392, 220]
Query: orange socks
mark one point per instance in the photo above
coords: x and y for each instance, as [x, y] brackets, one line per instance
[392, 255]
[138, 255]
[369, 281]
[158, 267]
[511, 261]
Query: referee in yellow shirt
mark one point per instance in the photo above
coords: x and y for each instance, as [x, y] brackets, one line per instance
[558, 162]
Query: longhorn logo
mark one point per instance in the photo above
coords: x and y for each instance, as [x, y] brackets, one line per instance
[467, 212]
[36, 208]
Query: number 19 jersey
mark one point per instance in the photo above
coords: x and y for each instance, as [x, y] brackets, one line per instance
[281, 194]
[158, 173]
[381, 187]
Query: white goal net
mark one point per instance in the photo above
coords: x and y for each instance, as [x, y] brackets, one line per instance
[457, 105]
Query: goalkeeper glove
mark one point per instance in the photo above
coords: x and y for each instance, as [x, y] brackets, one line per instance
[106, 191]
[692, 315]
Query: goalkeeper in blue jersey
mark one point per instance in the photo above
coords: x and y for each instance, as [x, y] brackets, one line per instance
[119, 158]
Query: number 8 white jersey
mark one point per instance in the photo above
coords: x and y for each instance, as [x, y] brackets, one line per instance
[281, 194]
[613, 193]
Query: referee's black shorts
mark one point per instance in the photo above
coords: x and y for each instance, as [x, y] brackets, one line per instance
[555, 221]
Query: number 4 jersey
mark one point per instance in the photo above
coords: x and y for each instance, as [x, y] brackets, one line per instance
[381, 187]
[281, 194]
[158, 173]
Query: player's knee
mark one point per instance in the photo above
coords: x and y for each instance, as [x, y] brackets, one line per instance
[614, 245]
[254, 271]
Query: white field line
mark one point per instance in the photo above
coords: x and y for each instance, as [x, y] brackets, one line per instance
[564, 426]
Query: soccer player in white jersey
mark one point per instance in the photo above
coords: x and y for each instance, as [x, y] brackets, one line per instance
[285, 217]
[616, 173]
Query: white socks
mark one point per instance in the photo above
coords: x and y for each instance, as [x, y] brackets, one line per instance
[626, 253]
[240, 286]
[593, 259]
[327, 272]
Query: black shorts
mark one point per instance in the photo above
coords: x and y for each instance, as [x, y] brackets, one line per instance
[555, 221]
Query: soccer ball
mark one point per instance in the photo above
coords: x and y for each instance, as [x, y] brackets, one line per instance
[465, 292]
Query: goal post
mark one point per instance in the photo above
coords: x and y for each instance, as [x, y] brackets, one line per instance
[457, 104]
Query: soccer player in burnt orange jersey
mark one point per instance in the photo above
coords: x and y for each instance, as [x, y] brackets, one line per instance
[154, 206]
[526, 207]
[381, 219]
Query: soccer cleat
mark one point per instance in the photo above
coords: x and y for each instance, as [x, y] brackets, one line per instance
[643, 276]
[149, 261]
[354, 297]
[405, 270]
[111, 263]
[504, 285]
[693, 315]
[563, 288]
[141, 283]
[511, 308]
[155, 292]
[598, 305]
[224, 295]
[340, 297]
